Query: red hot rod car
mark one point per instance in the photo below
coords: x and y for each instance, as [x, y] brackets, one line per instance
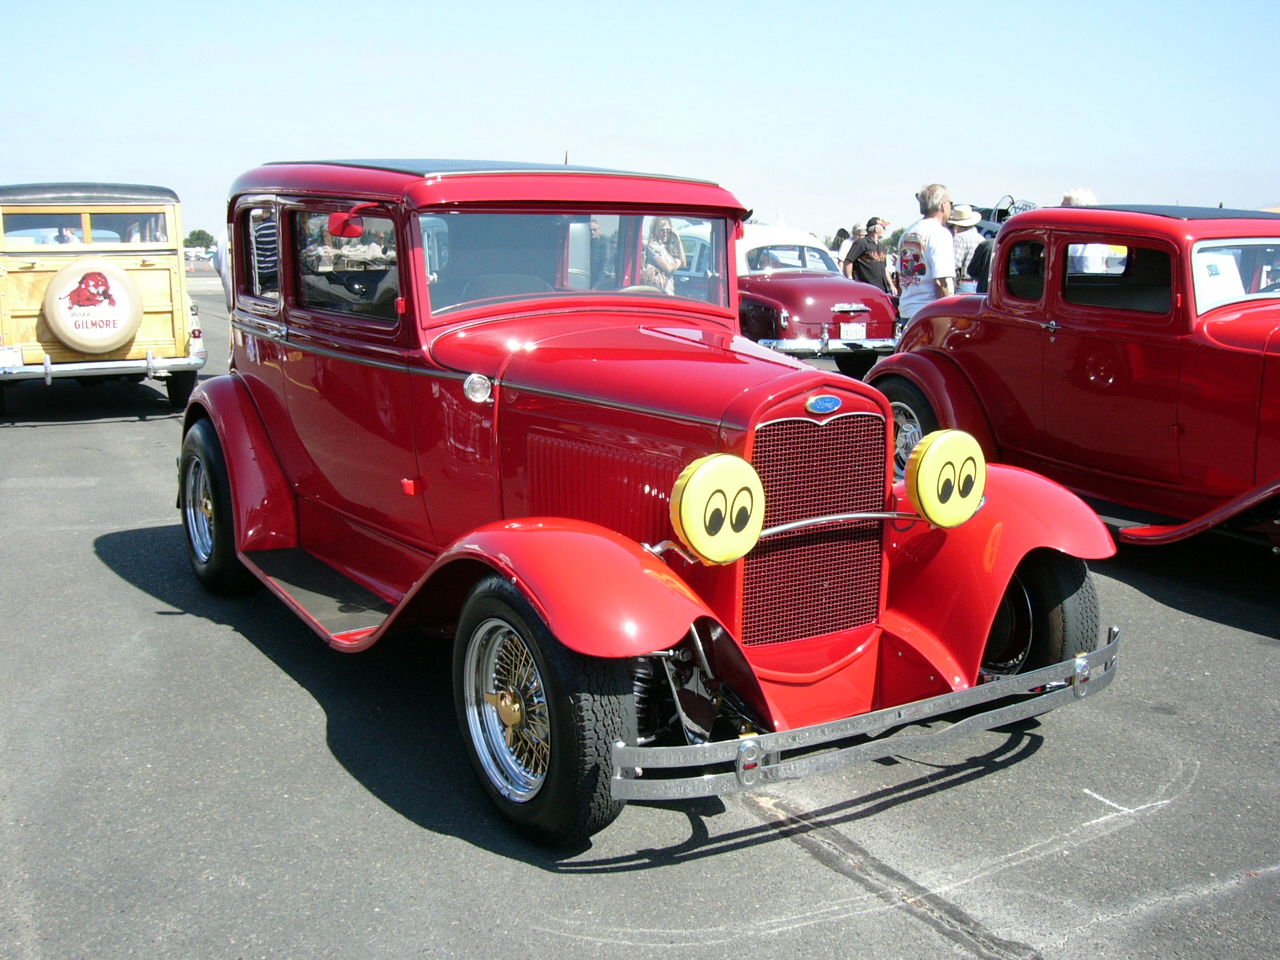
[1130, 353]
[467, 403]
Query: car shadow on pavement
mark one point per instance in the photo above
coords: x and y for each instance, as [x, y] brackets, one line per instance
[1214, 577]
[391, 724]
[66, 401]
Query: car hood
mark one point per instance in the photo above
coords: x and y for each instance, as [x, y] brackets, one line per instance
[653, 364]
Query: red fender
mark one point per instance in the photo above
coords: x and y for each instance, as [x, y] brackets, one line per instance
[601, 593]
[945, 585]
[946, 388]
[263, 502]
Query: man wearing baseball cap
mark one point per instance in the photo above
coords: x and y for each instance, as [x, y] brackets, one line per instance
[867, 258]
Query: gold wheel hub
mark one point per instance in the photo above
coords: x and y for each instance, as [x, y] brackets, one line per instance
[510, 710]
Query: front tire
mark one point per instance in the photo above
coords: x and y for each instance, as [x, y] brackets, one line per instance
[204, 497]
[913, 419]
[538, 719]
[1048, 614]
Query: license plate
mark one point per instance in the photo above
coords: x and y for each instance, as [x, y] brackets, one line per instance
[10, 357]
[853, 331]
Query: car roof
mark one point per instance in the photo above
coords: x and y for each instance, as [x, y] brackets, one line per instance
[1178, 223]
[80, 193]
[423, 183]
[766, 234]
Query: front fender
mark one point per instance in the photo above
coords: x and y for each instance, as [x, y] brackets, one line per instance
[947, 389]
[946, 585]
[600, 593]
[262, 501]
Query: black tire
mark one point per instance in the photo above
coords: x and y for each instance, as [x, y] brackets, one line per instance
[855, 365]
[1048, 614]
[179, 387]
[4, 398]
[204, 497]
[538, 719]
[913, 419]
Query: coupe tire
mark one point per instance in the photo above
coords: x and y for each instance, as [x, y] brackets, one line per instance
[179, 387]
[1049, 613]
[204, 497]
[538, 719]
[913, 419]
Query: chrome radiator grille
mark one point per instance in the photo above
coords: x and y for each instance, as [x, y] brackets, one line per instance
[821, 580]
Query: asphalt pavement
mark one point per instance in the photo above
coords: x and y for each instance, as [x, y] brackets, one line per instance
[183, 776]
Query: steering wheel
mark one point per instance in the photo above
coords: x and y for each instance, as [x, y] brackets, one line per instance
[643, 288]
[1271, 288]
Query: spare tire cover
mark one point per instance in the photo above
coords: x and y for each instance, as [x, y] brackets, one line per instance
[93, 305]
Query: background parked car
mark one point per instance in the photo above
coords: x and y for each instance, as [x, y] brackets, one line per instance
[1127, 352]
[794, 299]
[93, 285]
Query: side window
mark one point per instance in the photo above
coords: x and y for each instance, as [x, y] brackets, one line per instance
[354, 275]
[1024, 270]
[262, 247]
[1118, 277]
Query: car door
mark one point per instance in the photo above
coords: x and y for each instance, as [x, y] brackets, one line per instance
[1111, 357]
[1000, 349]
[347, 375]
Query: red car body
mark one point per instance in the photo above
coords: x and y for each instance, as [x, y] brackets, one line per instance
[1147, 380]
[412, 443]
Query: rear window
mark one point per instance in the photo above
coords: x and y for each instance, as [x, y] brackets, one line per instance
[790, 257]
[74, 227]
[1118, 277]
[477, 257]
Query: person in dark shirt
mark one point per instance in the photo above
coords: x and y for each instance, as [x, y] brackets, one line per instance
[867, 258]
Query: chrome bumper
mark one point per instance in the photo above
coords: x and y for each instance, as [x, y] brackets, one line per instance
[148, 365]
[811, 347]
[756, 761]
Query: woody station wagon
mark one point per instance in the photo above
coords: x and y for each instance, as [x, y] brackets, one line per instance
[92, 286]
[466, 405]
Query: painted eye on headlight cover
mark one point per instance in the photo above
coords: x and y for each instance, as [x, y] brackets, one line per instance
[946, 477]
[717, 508]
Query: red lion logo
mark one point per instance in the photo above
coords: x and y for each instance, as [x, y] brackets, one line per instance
[92, 291]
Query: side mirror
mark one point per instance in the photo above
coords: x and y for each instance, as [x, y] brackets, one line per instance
[345, 224]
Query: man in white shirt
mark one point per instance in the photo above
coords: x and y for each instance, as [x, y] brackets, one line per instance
[926, 253]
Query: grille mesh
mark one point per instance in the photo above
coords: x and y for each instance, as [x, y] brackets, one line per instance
[816, 581]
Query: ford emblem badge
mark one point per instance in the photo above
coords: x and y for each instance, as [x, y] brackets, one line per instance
[823, 403]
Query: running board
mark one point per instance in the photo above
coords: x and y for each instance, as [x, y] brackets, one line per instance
[335, 606]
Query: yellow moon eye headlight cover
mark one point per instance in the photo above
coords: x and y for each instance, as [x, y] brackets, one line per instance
[946, 477]
[717, 508]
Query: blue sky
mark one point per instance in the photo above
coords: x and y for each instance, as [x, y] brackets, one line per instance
[815, 114]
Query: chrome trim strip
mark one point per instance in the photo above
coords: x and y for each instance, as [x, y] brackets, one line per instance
[838, 518]
[619, 405]
[1047, 689]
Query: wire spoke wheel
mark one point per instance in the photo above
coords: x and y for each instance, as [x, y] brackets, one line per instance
[506, 708]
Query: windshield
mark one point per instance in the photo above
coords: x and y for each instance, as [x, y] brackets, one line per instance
[1230, 271]
[475, 257]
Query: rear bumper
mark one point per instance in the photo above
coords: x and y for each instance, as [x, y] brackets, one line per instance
[149, 365]
[819, 347]
[757, 761]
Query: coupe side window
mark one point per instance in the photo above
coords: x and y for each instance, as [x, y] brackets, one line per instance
[354, 275]
[1119, 277]
[1024, 270]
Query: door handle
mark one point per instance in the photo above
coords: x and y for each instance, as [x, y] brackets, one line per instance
[1051, 326]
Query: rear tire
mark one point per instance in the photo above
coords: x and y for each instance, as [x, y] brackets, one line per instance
[179, 387]
[855, 365]
[204, 497]
[913, 419]
[1048, 614]
[538, 719]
